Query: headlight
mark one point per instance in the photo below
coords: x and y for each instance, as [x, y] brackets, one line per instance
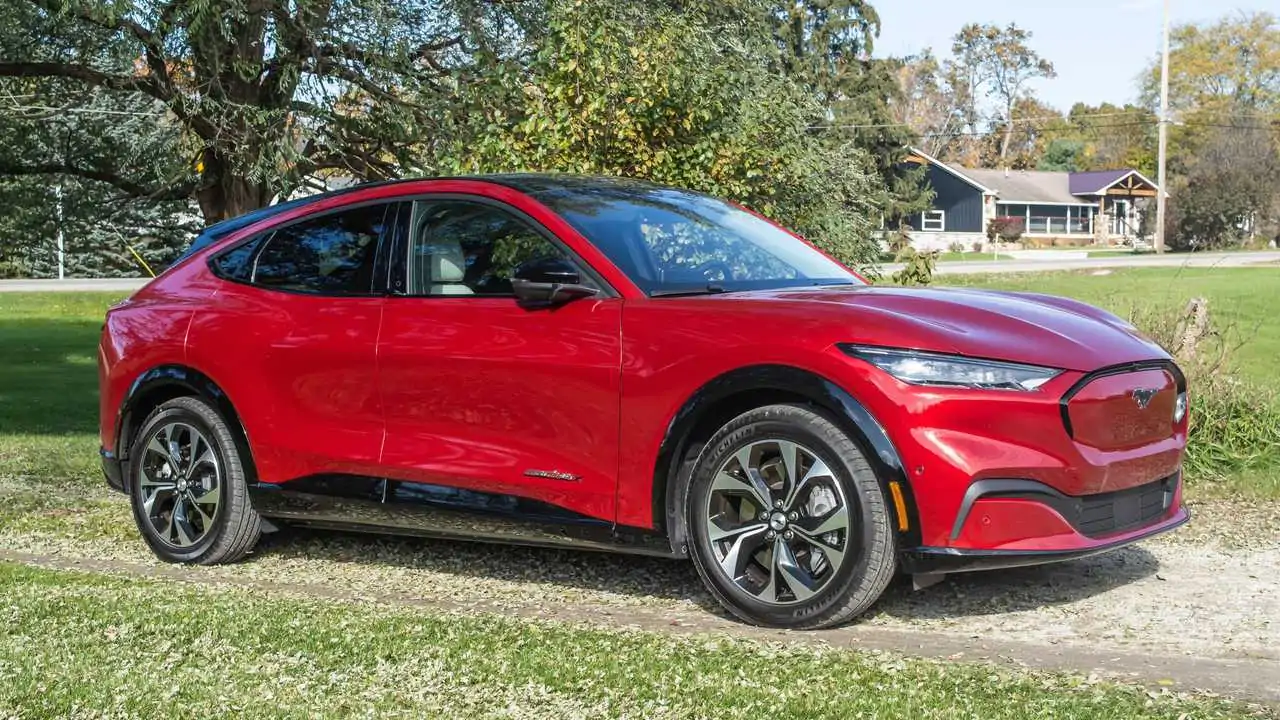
[1180, 407]
[922, 368]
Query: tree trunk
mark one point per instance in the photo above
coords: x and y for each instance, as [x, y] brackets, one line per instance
[1008, 133]
[225, 195]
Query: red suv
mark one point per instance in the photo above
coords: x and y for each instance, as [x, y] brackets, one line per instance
[614, 365]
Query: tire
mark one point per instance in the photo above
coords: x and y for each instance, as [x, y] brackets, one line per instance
[856, 563]
[199, 513]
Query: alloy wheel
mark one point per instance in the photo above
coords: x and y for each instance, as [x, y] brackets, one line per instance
[778, 522]
[180, 481]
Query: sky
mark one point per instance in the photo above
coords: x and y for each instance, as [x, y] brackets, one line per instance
[1098, 47]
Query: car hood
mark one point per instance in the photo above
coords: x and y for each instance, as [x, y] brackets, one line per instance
[1021, 327]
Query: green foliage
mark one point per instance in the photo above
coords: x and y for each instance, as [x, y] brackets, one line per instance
[677, 97]
[1227, 194]
[917, 268]
[1062, 156]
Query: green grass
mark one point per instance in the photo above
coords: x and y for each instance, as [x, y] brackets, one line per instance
[85, 644]
[1246, 298]
[49, 384]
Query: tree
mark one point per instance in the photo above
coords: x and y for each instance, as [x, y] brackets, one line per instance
[1062, 156]
[91, 168]
[266, 91]
[1228, 193]
[1000, 63]
[927, 103]
[676, 96]
[824, 46]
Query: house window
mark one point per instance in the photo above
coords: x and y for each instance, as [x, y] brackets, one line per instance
[933, 221]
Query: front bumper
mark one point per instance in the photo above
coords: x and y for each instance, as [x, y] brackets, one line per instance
[113, 469]
[942, 560]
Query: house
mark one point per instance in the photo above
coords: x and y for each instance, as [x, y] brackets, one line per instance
[1055, 208]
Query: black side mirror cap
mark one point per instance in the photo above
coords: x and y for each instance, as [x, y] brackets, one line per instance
[547, 282]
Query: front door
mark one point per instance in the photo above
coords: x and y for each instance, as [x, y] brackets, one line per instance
[484, 395]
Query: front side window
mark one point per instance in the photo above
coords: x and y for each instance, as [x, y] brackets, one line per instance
[329, 255]
[669, 241]
[461, 248]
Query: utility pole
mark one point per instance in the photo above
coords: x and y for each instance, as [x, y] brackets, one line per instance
[57, 190]
[1164, 133]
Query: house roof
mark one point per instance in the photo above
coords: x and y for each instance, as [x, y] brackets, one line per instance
[1091, 183]
[1029, 186]
[1038, 186]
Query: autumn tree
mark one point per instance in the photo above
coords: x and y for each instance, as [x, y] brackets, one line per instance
[927, 103]
[996, 63]
[1228, 192]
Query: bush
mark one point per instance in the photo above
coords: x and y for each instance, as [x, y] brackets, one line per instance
[977, 247]
[956, 247]
[1007, 229]
[917, 267]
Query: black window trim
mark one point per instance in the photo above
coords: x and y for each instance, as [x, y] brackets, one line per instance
[401, 246]
[376, 289]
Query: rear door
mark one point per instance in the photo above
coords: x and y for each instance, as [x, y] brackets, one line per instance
[292, 338]
[484, 395]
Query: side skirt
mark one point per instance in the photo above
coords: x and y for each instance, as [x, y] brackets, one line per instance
[394, 507]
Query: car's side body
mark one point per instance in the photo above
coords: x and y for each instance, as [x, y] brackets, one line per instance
[573, 425]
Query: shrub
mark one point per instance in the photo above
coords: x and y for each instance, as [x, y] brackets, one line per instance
[917, 267]
[977, 247]
[1007, 229]
[956, 247]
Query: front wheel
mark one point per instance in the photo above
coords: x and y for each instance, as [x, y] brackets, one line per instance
[187, 486]
[787, 522]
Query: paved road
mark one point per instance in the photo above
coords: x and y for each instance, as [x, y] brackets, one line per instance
[1238, 259]
[120, 285]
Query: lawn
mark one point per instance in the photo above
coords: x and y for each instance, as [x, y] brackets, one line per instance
[80, 644]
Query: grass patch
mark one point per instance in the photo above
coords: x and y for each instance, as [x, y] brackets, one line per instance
[49, 384]
[80, 644]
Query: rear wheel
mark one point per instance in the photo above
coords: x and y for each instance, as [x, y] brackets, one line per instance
[187, 486]
[787, 522]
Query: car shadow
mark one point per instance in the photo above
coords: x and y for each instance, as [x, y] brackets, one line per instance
[996, 592]
[958, 596]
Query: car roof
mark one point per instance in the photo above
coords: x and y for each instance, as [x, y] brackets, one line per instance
[533, 184]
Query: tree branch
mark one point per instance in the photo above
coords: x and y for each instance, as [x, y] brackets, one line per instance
[129, 187]
[85, 74]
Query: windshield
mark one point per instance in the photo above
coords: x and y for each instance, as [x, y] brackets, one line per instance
[670, 241]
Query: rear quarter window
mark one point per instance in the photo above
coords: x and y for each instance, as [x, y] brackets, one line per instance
[237, 263]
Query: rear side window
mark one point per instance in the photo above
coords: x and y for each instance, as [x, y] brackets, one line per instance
[237, 263]
[329, 255]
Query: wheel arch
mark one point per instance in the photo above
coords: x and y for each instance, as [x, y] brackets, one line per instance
[728, 395]
[166, 382]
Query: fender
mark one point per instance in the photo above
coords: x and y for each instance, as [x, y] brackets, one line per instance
[736, 391]
[162, 383]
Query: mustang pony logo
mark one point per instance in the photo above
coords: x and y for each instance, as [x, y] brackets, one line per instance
[1143, 396]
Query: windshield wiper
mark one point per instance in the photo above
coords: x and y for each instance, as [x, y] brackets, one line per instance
[708, 289]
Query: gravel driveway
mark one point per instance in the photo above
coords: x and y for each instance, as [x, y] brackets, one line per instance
[1200, 606]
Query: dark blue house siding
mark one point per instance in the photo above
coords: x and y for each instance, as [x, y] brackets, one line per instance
[961, 201]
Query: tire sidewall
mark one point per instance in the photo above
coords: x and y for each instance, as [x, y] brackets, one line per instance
[820, 438]
[228, 462]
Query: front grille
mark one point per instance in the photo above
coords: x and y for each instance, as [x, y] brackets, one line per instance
[1122, 510]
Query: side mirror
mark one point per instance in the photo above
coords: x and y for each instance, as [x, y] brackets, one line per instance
[547, 282]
